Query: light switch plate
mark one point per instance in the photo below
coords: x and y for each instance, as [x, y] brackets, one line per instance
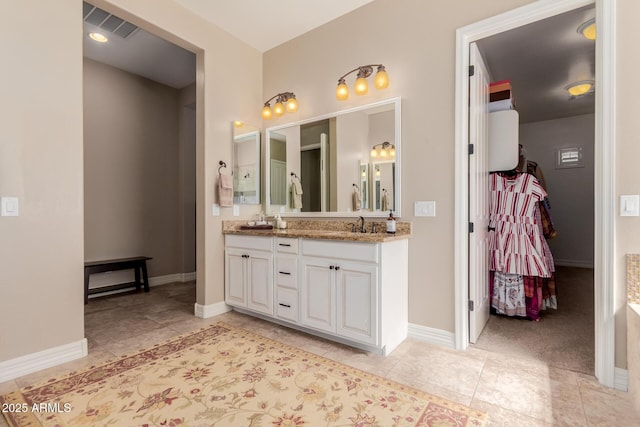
[630, 205]
[9, 206]
[427, 208]
[215, 209]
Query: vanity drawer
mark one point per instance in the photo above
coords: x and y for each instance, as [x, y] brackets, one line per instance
[259, 243]
[287, 304]
[356, 251]
[287, 245]
[287, 271]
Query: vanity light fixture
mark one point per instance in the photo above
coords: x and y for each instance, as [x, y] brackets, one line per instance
[579, 88]
[588, 29]
[381, 81]
[385, 149]
[284, 100]
[99, 37]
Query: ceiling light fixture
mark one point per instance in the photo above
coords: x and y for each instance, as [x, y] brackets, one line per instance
[588, 29]
[284, 100]
[580, 88]
[100, 38]
[381, 81]
[385, 149]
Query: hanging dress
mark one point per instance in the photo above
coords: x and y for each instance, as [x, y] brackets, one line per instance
[516, 243]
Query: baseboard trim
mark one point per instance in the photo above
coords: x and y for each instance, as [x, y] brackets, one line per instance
[572, 263]
[153, 281]
[44, 359]
[432, 335]
[207, 311]
[621, 379]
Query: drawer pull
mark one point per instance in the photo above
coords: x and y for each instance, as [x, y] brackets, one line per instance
[284, 305]
[284, 272]
[284, 244]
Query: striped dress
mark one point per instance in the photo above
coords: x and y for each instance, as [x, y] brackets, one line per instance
[516, 244]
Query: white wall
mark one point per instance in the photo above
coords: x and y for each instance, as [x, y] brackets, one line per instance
[570, 190]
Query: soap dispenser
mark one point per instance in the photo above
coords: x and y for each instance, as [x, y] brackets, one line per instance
[391, 223]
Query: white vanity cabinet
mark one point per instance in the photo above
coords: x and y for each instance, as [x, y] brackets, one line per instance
[249, 273]
[352, 292]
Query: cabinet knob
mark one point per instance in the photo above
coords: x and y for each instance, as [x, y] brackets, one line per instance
[337, 267]
[331, 267]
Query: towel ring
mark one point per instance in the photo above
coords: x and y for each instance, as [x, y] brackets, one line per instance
[222, 165]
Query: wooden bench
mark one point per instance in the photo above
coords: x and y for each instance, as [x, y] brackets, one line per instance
[138, 263]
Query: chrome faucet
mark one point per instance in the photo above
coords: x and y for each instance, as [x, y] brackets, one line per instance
[363, 228]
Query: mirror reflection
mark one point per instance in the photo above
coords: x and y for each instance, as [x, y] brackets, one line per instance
[246, 164]
[347, 162]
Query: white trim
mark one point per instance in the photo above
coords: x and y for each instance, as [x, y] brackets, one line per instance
[153, 281]
[604, 232]
[621, 381]
[23, 365]
[572, 263]
[432, 335]
[207, 311]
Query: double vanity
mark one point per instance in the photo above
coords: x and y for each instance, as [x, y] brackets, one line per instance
[323, 278]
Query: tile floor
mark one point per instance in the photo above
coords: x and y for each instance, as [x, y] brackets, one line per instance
[513, 390]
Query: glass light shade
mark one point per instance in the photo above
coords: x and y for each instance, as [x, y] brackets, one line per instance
[580, 88]
[374, 153]
[361, 86]
[392, 152]
[266, 112]
[364, 174]
[342, 92]
[292, 105]
[377, 172]
[101, 38]
[382, 80]
[383, 153]
[238, 123]
[588, 29]
[278, 109]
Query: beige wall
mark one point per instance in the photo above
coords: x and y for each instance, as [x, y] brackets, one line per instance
[131, 169]
[41, 158]
[415, 40]
[41, 258]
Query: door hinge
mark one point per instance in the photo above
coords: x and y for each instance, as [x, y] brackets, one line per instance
[471, 148]
[472, 70]
[470, 305]
[470, 227]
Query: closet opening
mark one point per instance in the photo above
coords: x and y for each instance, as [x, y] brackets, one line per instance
[139, 170]
[605, 198]
[541, 195]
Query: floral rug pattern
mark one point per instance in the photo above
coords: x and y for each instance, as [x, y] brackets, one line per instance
[226, 376]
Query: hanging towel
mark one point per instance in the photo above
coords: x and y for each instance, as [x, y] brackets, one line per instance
[296, 193]
[384, 203]
[225, 190]
[355, 199]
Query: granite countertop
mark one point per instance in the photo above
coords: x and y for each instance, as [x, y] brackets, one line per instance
[327, 230]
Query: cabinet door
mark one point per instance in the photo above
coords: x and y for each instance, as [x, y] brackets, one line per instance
[357, 302]
[235, 278]
[317, 294]
[260, 282]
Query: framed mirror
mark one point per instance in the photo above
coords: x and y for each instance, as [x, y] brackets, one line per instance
[246, 164]
[329, 157]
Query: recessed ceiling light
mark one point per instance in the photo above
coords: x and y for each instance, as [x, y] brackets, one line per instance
[579, 88]
[101, 38]
[588, 29]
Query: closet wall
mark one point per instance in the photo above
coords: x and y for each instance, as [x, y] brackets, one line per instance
[134, 185]
[570, 190]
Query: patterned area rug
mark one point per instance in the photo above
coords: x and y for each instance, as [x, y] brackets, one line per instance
[225, 376]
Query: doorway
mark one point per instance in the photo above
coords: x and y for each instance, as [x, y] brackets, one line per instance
[604, 197]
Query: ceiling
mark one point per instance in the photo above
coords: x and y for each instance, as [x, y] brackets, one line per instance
[540, 59]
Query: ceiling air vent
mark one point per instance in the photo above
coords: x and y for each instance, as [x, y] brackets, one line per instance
[108, 22]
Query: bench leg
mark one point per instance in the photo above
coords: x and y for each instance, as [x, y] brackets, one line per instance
[86, 286]
[137, 276]
[145, 277]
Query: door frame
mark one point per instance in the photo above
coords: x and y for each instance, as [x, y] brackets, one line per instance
[604, 228]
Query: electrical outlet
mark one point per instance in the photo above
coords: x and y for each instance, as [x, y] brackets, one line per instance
[9, 206]
[215, 209]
